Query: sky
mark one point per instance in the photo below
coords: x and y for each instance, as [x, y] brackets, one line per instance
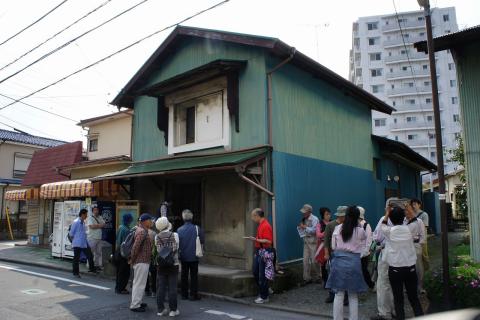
[320, 29]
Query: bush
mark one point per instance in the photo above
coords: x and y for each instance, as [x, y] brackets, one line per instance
[464, 280]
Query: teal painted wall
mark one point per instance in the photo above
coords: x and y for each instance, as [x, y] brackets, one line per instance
[192, 54]
[468, 74]
[331, 126]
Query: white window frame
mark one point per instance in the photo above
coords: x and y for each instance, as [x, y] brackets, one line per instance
[218, 85]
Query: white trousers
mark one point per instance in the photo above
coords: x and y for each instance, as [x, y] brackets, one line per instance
[352, 306]
[140, 275]
[384, 291]
[311, 269]
[96, 247]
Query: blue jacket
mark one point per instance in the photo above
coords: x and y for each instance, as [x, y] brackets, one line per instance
[79, 234]
[187, 235]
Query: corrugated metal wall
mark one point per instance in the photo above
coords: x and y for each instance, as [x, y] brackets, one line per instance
[468, 70]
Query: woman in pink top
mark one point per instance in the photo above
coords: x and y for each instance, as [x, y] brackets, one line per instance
[348, 242]
[325, 215]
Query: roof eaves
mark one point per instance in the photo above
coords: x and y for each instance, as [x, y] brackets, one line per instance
[451, 40]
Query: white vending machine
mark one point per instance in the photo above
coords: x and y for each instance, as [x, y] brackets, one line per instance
[70, 213]
[57, 236]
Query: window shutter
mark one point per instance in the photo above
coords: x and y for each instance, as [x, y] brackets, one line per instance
[232, 97]
[162, 117]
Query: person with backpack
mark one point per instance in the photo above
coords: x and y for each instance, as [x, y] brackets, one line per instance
[94, 236]
[189, 255]
[167, 244]
[123, 268]
[365, 256]
[78, 236]
[139, 258]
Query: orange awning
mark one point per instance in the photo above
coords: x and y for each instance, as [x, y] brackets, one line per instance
[78, 189]
[21, 194]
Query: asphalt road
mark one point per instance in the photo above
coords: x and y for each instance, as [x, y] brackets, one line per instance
[37, 293]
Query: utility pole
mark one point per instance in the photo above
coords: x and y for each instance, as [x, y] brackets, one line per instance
[439, 145]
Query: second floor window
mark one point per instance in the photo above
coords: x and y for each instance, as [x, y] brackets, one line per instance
[375, 56]
[93, 145]
[372, 25]
[20, 164]
[380, 122]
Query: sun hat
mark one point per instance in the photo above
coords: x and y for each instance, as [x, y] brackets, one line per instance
[162, 223]
[306, 208]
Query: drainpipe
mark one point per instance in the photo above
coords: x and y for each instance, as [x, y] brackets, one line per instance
[3, 190]
[270, 135]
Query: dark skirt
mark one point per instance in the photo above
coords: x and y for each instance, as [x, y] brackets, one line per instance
[346, 273]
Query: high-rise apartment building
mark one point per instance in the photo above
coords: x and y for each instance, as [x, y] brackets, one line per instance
[384, 62]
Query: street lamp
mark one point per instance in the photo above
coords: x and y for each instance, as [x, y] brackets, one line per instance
[439, 145]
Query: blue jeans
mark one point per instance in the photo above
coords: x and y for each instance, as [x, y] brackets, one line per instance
[259, 274]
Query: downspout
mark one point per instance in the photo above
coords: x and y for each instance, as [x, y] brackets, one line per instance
[270, 136]
[3, 191]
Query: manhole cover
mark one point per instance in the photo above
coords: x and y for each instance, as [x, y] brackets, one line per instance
[33, 291]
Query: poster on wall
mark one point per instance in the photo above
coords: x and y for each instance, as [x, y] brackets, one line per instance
[124, 207]
[107, 211]
[70, 213]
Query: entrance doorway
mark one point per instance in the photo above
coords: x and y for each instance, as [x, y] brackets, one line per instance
[184, 195]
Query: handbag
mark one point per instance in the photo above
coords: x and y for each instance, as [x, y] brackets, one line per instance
[198, 246]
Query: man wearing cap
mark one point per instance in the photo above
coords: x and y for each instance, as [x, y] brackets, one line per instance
[95, 224]
[309, 226]
[340, 217]
[140, 258]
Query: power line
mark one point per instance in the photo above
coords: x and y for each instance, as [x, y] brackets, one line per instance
[24, 125]
[56, 34]
[40, 109]
[33, 23]
[72, 41]
[115, 53]
[411, 70]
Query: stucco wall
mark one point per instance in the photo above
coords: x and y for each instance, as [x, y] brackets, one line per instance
[7, 155]
[114, 138]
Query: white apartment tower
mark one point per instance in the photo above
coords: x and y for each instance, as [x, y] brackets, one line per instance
[384, 62]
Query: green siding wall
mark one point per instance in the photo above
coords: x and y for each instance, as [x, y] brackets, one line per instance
[314, 119]
[193, 54]
[468, 69]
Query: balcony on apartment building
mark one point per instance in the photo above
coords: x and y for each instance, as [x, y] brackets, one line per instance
[412, 56]
[415, 90]
[421, 143]
[406, 25]
[398, 41]
[408, 74]
[417, 125]
[408, 108]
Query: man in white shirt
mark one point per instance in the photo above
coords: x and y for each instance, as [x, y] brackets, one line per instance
[309, 226]
[422, 215]
[95, 224]
[417, 229]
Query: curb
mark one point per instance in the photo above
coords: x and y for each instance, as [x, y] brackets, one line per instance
[48, 266]
[265, 306]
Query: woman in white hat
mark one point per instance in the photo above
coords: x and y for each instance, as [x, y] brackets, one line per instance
[167, 244]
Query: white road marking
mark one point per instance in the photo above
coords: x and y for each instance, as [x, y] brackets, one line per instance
[53, 277]
[33, 291]
[221, 313]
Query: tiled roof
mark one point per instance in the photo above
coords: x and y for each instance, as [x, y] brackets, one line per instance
[28, 139]
[42, 168]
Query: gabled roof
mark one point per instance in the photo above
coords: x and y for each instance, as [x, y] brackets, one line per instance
[25, 138]
[400, 151]
[127, 95]
[105, 118]
[452, 40]
[44, 164]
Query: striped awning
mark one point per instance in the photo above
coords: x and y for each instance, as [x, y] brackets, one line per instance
[78, 189]
[21, 194]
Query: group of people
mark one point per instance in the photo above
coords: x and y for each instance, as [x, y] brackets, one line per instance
[156, 257]
[344, 248]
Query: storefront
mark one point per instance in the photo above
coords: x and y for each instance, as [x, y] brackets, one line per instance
[67, 198]
[16, 209]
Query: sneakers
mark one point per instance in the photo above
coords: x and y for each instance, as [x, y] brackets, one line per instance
[138, 309]
[174, 313]
[163, 313]
[259, 300]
